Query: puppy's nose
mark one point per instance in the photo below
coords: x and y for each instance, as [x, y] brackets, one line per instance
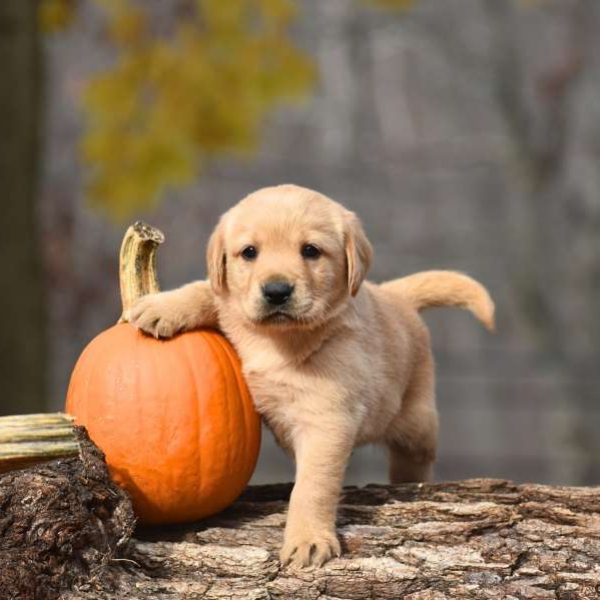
[277, 292]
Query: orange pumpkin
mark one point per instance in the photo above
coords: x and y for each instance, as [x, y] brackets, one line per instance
[174, 417]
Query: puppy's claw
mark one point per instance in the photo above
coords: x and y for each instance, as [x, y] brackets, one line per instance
[321, 556]
[309, 551]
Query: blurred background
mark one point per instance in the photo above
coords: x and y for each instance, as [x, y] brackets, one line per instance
[465, 133]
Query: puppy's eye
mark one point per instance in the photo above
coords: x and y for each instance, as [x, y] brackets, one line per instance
[249, 253]
[310, 251]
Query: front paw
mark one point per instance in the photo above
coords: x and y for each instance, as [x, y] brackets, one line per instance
[157, 315]
[303, 549]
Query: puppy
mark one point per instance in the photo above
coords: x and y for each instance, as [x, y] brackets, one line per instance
[332, 361]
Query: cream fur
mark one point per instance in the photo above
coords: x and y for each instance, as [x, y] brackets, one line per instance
[349, 364]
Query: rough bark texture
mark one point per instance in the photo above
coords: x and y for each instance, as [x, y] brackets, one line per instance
[473, 539]
[22, 308]
[61, 523]
[65, 532]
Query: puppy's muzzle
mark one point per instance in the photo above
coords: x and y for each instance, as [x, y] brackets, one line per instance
[277, 293]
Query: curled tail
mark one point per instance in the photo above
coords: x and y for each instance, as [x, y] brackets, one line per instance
[445, 288]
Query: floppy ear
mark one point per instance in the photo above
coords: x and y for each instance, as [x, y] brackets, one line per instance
[216, 260]
[358, 252]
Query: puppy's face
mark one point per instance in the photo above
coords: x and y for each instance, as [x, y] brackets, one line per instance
[287, 257]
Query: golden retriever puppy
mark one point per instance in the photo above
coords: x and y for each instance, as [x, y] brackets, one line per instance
[332, 361]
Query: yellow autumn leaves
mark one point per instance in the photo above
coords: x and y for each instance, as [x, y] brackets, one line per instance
[55, 15]
[181, 91]
[393, 3]
[173, 99]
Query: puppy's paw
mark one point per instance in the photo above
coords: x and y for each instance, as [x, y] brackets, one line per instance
[304, 549]
[157, 315]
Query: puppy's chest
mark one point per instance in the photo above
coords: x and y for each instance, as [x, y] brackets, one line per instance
[277, 393]
[291, 399]
[279, 402]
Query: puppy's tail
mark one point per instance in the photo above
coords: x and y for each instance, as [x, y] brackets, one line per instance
[445, 288]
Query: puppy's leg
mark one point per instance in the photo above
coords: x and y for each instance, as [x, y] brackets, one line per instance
[412, 454]
[321, 459]
[412, 436]
[167, 313]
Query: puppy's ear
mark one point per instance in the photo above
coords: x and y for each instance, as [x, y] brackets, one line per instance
[216, 260]
[358, 252]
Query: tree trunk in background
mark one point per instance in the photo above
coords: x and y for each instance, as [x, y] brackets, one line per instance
[22, 308]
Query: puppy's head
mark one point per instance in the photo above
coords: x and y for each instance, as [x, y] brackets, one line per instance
[287, 257]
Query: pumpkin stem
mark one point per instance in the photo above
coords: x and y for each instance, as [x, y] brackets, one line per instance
[137, 265]
[31, 439]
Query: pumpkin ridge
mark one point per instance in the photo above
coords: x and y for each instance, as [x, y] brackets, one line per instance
[226, 388]
[166, 383]
[247, 404]
[241, 404]
[162, 410]
[198, 459]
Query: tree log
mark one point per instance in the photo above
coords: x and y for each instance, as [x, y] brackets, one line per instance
[65, 532]
[61, 522]
[482, 539]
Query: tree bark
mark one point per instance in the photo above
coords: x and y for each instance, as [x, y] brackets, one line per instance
[66, 532]
[482, 539]
[22, 313]
[61, 523]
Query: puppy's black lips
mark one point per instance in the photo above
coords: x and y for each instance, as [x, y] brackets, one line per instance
[278, 316]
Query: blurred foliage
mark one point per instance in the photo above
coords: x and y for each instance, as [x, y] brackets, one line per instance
[181, 91]
[55, 15]
[401, 4]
